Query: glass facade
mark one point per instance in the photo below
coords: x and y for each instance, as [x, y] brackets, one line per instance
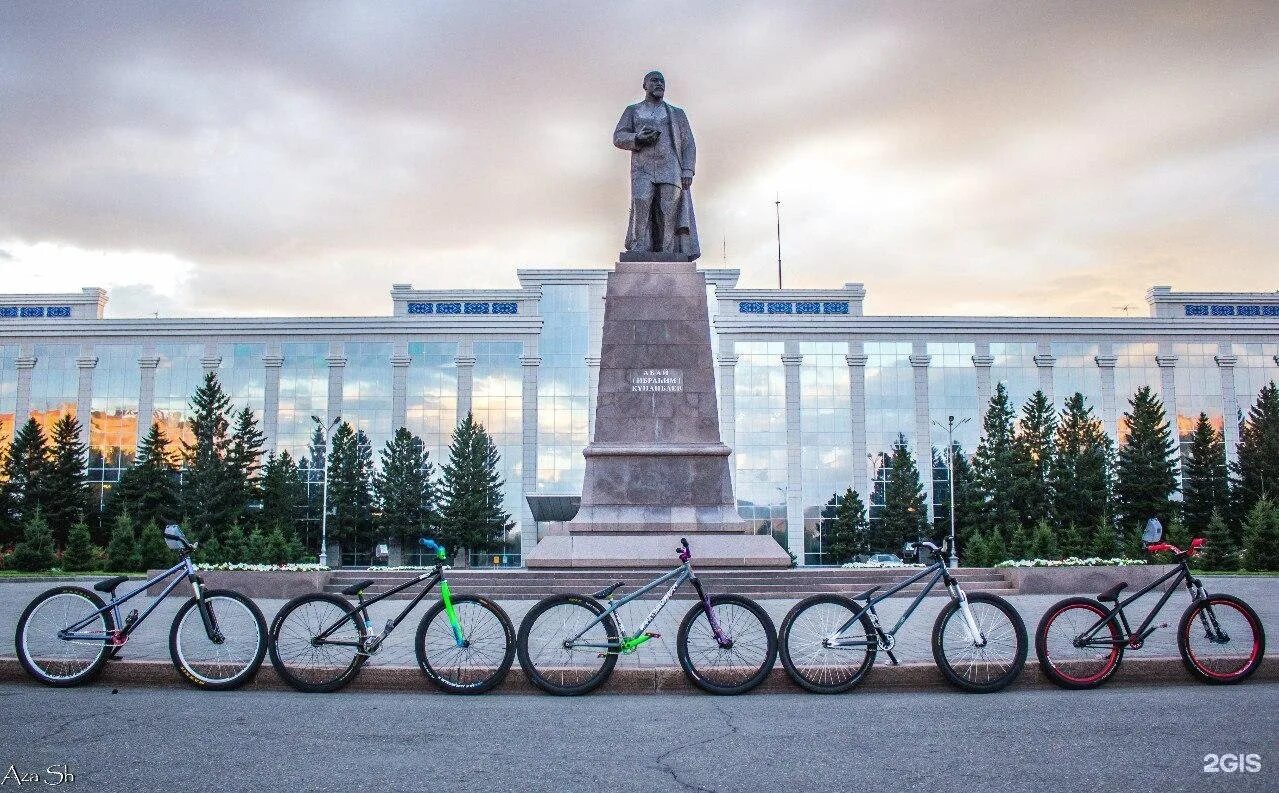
[113, 424]
[1198, 384]
[760, 453]
[55, 382]
[431, 404]
[952, 391]
[1135, 367]
[243, 377]
[1014, 366]
[304, 392]
[366, 391]
[497, 403]
[1256, 366]
[826, 425]
[563, 389]
[8, 390]
[1075, 372]
[177, 377]
[890, 410]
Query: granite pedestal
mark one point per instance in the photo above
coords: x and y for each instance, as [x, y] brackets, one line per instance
[656, 469]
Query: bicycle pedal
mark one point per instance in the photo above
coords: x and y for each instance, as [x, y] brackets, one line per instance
[652, 635]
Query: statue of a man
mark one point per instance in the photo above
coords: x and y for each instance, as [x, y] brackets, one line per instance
[663, 160]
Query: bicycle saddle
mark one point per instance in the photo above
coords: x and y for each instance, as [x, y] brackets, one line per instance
[110, 584]
[1112, 595]
[608, 590]
[358, 587]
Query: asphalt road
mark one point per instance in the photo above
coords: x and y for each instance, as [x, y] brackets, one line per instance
[1044, 740]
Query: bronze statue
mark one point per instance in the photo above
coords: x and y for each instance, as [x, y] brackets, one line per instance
[663, 160]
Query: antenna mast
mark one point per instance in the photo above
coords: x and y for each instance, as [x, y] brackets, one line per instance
[777, 206]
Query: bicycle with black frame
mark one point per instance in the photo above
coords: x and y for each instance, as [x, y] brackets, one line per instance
[465, 644]
[218, 638]
[1080, 641]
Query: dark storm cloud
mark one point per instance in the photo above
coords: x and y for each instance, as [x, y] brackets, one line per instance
[1065, 145]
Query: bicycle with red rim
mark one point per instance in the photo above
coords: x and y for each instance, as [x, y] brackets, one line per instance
[1080, 641]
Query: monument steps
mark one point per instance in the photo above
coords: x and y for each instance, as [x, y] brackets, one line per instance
[763, 584]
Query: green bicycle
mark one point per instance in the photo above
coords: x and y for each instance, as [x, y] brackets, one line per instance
[465, 644]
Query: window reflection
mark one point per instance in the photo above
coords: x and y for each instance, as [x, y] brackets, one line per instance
[890, 410]
[497, 403]
[113, 427]
[952, 391]
[8, 390]
[177, 377]
[760, 453]
[366, 391]
[825, 418]
[54, 384]
[563, 389]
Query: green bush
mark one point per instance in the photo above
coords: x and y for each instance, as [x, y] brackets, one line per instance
[154, 552]
[1261, 536]
[255, 550]
[35, 551]
[277, 548]
[1044, 542]
[1221, 552]
[79, 553]
[233, 545]
[122, 550]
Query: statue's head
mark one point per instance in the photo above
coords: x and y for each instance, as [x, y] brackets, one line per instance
[654, 85]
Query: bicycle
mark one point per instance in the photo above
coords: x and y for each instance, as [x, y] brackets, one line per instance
[829, 641]
[67, 634]
[569, 644]
[464, 645]
[1080, 642]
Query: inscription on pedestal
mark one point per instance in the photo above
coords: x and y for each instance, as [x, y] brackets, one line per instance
[665, 381]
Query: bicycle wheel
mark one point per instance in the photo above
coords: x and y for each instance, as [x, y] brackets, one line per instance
[809, 661]
[564, 670]
[485, 655]
[741, 666]
[230, 659]
[1221, 639]
[300, 659]
[988, 667]
[63, 662]
[1067, 663]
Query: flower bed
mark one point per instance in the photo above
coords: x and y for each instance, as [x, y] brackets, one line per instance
[266, 568]
[1073, 561]
[878, 566]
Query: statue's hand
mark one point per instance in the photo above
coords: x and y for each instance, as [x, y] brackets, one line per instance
[686, 182]
[647, 136]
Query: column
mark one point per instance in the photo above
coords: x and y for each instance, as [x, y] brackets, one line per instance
[1045, 360]
[1168, 385]
[465, 361]
[593, 387]
[596, 292]
[337, 376]
[272, 360]
[146, 392]
[856, 360]
[26, 361]
[529, 364]
[87, 364]
[1106, 360]
[923, 428]
[982, 361]
[400, 362]
[791, 361]
[1229, 402]
[728, 402]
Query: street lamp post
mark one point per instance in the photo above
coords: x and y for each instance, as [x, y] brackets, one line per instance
[950, 426]
[324, 489]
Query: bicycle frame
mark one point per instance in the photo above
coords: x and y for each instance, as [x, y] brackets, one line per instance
[627, 644]
[361, 612]
[122, 631]
[939, 572]
[1179, 574]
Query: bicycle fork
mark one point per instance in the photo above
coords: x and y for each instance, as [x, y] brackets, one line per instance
[447, 596]
[970, 621]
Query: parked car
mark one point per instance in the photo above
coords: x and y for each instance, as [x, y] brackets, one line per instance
[886, 559]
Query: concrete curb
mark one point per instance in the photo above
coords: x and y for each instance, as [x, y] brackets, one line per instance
[654, 680]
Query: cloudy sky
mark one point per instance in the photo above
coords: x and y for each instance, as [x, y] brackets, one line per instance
[957, 158]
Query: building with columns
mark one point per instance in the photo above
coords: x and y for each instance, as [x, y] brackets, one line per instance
[812, 391]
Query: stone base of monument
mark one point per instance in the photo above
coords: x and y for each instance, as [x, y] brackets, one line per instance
[654, 549]
[656, 469]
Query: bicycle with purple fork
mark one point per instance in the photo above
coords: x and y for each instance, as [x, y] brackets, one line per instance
[569, 644]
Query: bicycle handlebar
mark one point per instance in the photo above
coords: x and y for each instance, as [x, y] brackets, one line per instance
[432, 545]
[1160, 547]
[685, 553]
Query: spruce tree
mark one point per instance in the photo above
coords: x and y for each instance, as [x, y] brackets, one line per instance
[66, 484]
[905, 515]
[243, 463]
[78, 555]
[283, 493]
[350, 487]
[122, 549]
[968, 501]
[995, 465]
[35, 552]
[234, 546]
[471, 514]
[1082, 474]
[1257, 469]
[255, 550]
[276, 549]
[1019, 545]
[154, 553]
[403, 489]
[975, 552]
[207, 502]
[1033, 449]
[1220, 552]
[1261, 536]
[148, 489]
[1043, 542]
[848, 533]
[1146, 471]
[1205, 487]
[27, 473]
